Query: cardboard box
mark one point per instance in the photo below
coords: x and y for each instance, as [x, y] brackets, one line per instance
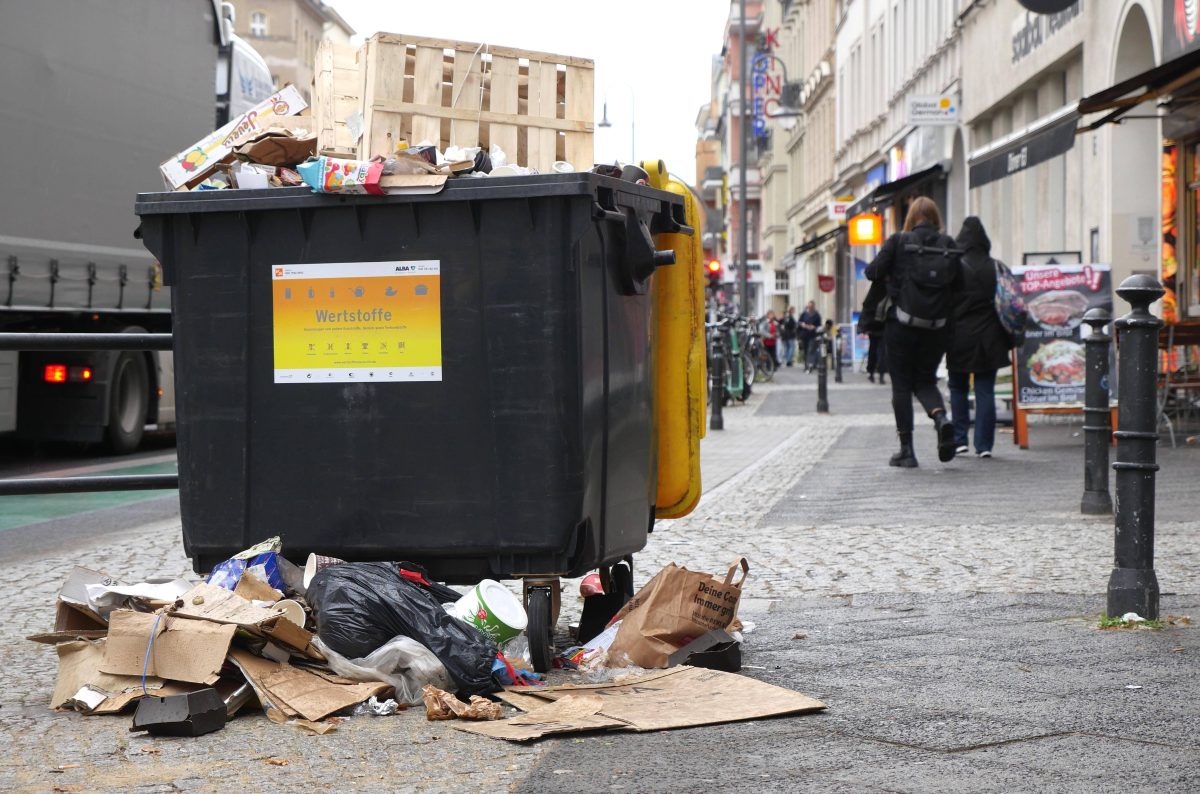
[203, 155]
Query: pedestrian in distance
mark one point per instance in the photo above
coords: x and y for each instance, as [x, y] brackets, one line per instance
[769, 328]
[787, 335]
[872, 321]
[810, 324]
[979, 344]
[921, 269]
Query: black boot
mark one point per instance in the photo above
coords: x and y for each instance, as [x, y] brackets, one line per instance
[905, 458]
[945, 433]
[871, 377]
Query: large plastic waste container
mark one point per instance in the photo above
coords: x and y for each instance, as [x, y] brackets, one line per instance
[460, 379]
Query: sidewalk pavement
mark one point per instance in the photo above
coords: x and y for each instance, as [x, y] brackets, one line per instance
[947, 615]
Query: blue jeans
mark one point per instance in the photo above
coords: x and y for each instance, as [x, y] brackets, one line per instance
[985, 408]
[789, 351]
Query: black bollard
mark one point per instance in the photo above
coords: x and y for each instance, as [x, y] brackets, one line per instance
[837, 355]
[822, 373]
[1097, 419]
[717, 389]
[1133, 585]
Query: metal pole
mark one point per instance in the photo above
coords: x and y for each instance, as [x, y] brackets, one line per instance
[116, 482]
[1133, 585]
[822, 373]
[1097, 423]
[717, 389]
[743, 103]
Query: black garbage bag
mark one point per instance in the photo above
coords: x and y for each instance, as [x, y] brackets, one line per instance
[359, 606]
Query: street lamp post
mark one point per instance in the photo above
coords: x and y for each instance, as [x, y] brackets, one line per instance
[605, 123]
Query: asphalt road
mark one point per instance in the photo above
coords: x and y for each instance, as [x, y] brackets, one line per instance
[41, 525]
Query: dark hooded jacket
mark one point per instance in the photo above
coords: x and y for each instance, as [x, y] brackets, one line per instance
[980, 343]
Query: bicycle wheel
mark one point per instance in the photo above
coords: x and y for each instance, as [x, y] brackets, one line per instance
[764, 367]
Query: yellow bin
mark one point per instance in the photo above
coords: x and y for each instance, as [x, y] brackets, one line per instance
[680, 369]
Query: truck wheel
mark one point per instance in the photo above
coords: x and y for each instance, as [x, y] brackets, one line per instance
[129, 399]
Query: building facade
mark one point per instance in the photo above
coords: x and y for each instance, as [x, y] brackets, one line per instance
[286, 33]
[814, 226]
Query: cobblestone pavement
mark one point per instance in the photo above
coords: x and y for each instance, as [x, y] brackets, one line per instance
[808, 498]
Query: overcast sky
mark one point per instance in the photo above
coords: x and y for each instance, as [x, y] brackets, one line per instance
[661, 49]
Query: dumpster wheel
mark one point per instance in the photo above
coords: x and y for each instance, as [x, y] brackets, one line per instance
[540, 628]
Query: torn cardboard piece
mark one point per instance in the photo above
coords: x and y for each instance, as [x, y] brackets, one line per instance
[286, 691]
[278, 147]
[183, 649]
[571, 714]
[56, 637]
[252, 588]
[441, 705]
[210, 602]
[81, 683]
[681, 697]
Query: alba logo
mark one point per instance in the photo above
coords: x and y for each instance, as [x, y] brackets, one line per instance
[278, 272]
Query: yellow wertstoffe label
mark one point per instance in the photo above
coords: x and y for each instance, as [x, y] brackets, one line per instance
[357, 322]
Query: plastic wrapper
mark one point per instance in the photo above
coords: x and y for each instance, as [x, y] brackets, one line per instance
[360, 606]
[440, 705]
[261, 559]
[377, 707]
[402, 662]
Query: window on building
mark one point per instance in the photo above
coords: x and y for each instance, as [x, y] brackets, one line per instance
[781, 281]
[258, 24]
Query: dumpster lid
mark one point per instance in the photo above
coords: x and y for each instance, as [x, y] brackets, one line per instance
[663, 203]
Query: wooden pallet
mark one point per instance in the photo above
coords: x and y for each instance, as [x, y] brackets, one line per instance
[536, 106]
[336, 96]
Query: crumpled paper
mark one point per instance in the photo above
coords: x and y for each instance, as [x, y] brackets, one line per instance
[441, 705]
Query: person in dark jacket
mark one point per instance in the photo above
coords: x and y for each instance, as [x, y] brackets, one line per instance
[979, 345]
[787, 333]
[915, 350]
[807, 327]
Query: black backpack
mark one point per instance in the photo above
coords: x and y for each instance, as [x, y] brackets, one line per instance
[925, 300]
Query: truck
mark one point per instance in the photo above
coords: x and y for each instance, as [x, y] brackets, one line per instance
[94, 97]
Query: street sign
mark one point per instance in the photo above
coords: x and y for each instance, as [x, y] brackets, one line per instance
[932, 109]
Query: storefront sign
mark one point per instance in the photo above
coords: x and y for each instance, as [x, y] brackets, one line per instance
[1037, 147]
[1180, 27]
[825, 283]
[1051, 365]
[357, 322]
[766, 75]
[866, 229]
[1031, 30]
[932, 110]
[837, 210]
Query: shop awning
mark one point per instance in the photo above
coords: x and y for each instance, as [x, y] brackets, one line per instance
[1150, 85]
[809, 245]
[883, 195]
[1043, 139]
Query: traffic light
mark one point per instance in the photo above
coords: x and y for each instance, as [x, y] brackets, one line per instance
[713, 271]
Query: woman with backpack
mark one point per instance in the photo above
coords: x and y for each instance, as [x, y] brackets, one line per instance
[979, 345]
[921, 269]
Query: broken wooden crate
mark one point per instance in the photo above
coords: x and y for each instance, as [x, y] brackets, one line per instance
[535, 106]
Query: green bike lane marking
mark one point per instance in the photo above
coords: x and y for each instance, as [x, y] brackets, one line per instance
[19, 511]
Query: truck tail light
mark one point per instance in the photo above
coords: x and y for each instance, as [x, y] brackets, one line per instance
[61, 373]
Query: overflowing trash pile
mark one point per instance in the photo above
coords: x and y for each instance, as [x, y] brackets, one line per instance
[272, 146]
[313, 646]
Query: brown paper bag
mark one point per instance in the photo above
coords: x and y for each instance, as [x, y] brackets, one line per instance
[674, 608]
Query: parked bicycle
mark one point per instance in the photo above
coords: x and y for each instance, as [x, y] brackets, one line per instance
[739, 366]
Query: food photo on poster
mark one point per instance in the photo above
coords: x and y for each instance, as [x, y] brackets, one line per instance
[1051, 364]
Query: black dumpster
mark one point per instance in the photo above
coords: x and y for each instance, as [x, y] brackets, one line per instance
[460, 379]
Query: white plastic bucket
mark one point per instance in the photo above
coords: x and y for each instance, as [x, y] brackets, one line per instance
[493, 609]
